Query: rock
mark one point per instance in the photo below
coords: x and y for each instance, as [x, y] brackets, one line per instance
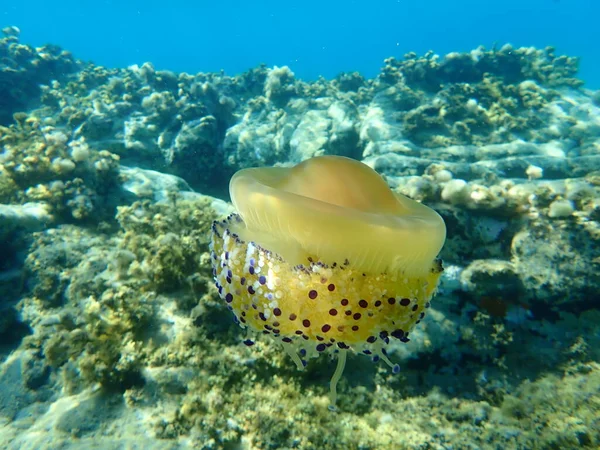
[30, 216]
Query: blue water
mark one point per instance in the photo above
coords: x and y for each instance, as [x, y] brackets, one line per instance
[313, 37]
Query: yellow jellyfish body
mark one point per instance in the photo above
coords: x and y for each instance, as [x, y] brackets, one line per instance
[325, 258]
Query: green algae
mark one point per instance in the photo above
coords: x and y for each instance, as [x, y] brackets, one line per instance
[166, 240]
[104, 291]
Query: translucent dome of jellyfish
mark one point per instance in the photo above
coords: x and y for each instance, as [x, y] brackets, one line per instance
[325, 258]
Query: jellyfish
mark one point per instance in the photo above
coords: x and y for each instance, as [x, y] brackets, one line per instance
[325, 259]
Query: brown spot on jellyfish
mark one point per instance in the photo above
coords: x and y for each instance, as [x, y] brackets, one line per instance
[292, 225]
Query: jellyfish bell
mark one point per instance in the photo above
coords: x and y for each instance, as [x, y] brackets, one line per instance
[336, 208]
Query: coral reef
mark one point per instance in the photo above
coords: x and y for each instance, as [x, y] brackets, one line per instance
[113, 335]
[23, 69]
[41, 163]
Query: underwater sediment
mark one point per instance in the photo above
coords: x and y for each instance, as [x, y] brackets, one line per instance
[113, 332]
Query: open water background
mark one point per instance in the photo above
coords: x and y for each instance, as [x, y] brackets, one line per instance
[313, 37]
